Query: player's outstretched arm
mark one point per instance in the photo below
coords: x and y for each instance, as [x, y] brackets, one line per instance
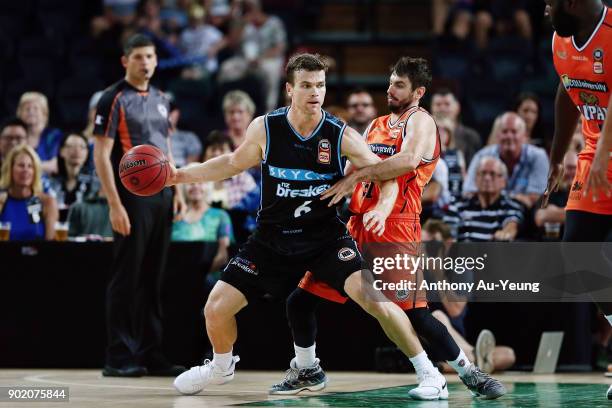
[597, 180]
[566, 119]
[247, 155]
[419, 142]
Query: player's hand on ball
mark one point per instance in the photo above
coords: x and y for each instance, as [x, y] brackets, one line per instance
[172, 173]
[374, 220]
[120, 221]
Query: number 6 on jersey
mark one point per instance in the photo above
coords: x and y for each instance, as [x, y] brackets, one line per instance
[302, 209]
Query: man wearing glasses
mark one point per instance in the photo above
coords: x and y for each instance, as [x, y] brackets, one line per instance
[12, 133]
[361, 109]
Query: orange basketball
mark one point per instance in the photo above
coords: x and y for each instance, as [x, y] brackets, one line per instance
[143, 170]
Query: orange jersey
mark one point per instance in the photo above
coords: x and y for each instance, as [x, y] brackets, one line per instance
[385, 139]
[586, 74]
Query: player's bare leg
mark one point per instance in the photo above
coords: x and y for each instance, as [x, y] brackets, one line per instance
[223, 303]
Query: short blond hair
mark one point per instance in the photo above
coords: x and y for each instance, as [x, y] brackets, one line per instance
[238, 97]
[6, 179]
[28, 97]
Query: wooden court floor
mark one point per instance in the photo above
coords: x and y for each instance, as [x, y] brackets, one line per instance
[88, 388]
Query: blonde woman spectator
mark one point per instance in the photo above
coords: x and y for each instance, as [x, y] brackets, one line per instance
[238, 111]
[31, 212]
[33, 109]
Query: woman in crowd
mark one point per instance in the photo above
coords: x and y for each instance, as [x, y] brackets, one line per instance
[528, 107]
[31, 212]
[33, 109]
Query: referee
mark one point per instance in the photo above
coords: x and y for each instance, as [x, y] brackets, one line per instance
[130, 113]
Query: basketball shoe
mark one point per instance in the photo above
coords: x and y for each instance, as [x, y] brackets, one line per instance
[195, 379]
[311, 378]
[482, 384]
[432, 386]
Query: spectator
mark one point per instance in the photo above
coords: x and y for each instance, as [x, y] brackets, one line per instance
[501, 15]
[436, 195]
[453, 157]
[361, 109]
[201, 40]
[457, 13]
[444, 104]
[73, 182]
[264, 42]
[489, 214]
[33, 109]
[450, 308]
[238, 111]
[13, 132]
[186, 146]
[205, 223]
[89, 218]
[551, 219]
[175, 16]
[529, 108]
[526, 164]
[31, 212]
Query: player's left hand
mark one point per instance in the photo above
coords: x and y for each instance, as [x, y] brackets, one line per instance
[339, 190]
[597, 179]
[374, 220]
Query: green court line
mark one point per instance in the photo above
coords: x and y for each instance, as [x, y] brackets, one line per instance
[519, 395]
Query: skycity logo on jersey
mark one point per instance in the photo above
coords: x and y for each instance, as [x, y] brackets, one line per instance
[299, 174]
[382, 149]
[570, 83]
[590, 108]
[284, 190]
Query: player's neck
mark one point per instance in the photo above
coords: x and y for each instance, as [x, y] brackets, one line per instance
[588, 25]
[304, 122]
[141, 85]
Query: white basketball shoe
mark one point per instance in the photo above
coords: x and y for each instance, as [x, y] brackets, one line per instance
[432, 386]
[194, 380]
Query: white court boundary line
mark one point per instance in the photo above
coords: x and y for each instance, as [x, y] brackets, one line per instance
[41, 378]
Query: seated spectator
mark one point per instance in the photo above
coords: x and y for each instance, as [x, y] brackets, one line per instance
[453, 157]
[436, 195]
[490, 214]
[73, 182]
[89, 218]
[238, 112]
[450, 308]
[186, 146]
[444, 104]
[201, 40]
[361, 109]
[502, 15]
[240, 195]
[202, 222]
[13, 132]
[455, 13]
[529, 108]
[551, 219]
[31, 212]
[526, 164]
[33, 109]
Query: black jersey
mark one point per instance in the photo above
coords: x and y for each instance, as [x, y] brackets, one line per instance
[296, 170]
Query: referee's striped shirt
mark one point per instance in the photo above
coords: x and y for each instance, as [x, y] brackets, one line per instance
[470, 222]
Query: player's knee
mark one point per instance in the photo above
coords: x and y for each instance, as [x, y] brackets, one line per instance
[301, 305]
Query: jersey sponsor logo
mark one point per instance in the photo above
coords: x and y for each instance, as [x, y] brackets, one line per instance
[245, 265]
[284, 190]
[324, 152]
[401, 294]
[299, 174]
[577, 186]
[570, 83]
[590, 107]
[162, 110]
[346, 254]
[561, 54]
[99, 120]
[579, 58]
[382, 149]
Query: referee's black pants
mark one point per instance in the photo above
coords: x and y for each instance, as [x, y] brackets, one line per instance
[133, 314]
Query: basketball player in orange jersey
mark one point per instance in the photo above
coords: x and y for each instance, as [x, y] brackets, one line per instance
[582, 53]
[408, 142]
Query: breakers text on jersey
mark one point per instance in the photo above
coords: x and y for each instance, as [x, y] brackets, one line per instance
[284, 190]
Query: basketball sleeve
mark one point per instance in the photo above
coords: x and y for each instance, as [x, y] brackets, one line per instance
[106, 121]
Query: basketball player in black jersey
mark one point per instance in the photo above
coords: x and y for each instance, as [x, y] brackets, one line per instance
[302, 150]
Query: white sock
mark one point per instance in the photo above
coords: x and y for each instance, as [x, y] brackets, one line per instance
[609, 317]
[460, 364]
[223, 360]
[421, 363]
[305, 356]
